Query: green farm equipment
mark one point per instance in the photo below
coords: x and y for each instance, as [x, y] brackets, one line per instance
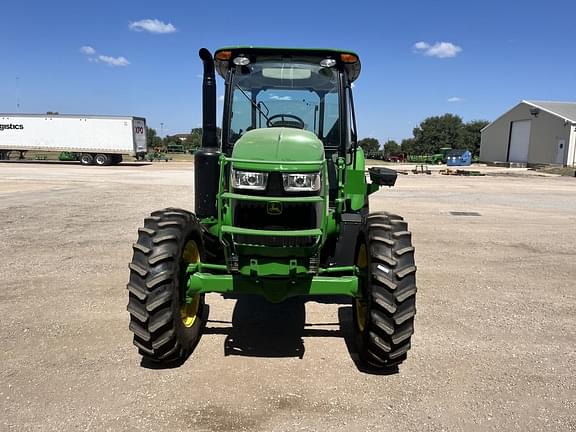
[434, 159]
[175, 148]
[441, 156]
[157, 156]
[281, 210]
[68, 156]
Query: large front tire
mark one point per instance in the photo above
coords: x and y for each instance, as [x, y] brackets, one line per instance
[166, 328]
[384, 316]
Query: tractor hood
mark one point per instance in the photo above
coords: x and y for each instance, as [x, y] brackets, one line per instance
[277, 145]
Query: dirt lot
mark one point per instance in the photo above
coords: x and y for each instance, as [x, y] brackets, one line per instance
[495, 338]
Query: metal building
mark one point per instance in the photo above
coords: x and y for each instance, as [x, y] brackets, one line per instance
[533, 132]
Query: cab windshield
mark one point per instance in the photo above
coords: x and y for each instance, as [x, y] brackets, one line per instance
[295, 94]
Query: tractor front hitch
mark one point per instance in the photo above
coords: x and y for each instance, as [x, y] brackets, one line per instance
[274, 290]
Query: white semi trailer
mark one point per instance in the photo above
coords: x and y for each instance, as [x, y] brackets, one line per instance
[100, 140]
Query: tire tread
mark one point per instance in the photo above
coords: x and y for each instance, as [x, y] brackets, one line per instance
[153, 275]
[392, 291]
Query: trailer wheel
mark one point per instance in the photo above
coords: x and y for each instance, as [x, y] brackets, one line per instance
[166, 328]
[86, 159]
[384, 316]
[102, 159]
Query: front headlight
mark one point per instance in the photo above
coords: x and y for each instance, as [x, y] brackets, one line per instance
[302, 182]
[249, 180]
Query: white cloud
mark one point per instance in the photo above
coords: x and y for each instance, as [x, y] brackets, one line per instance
[113, 61]
[152, 26]
[281, 98]
[455, 99]
[439, 49]
[88, 50]
[221, 98]
[443, 50]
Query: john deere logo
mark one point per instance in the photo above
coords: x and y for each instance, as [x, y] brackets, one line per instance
[274, 208]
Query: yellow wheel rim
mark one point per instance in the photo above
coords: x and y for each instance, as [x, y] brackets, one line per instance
[360, 304]
[189, 311]
[191, 253]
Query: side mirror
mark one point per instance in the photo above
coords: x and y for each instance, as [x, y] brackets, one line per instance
[383, 176]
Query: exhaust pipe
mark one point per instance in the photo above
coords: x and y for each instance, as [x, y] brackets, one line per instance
[209, 138]
[206, 160]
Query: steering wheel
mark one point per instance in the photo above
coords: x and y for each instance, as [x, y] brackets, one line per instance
[279, 120]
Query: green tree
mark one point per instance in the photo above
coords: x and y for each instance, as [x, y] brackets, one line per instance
[369, 145]
[408, 146]
[152, 138]
[194, 140]
[391, 147]
[447, 130]
[437, 132]
[172, 140]
[470, 135]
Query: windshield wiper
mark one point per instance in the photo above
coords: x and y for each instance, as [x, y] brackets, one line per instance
[255, 105]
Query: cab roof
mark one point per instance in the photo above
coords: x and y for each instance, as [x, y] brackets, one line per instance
[349, 60]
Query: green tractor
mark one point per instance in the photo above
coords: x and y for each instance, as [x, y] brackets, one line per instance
[281, 210]
[440, 157]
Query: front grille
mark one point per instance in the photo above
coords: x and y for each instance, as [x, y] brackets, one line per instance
[293, 216]
[274, 241]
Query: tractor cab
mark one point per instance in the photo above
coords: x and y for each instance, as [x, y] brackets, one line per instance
[301, 89]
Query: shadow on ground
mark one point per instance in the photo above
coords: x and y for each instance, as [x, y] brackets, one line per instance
[263, 329]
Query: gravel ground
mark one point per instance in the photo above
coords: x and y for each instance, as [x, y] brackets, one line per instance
[494, 347]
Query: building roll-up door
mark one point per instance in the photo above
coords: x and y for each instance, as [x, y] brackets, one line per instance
[519, 141]
[571, 160]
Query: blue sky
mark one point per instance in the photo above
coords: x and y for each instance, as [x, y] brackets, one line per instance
[495, 53]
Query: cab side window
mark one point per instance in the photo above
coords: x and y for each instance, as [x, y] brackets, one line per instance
[331, 122]
[352, 136]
